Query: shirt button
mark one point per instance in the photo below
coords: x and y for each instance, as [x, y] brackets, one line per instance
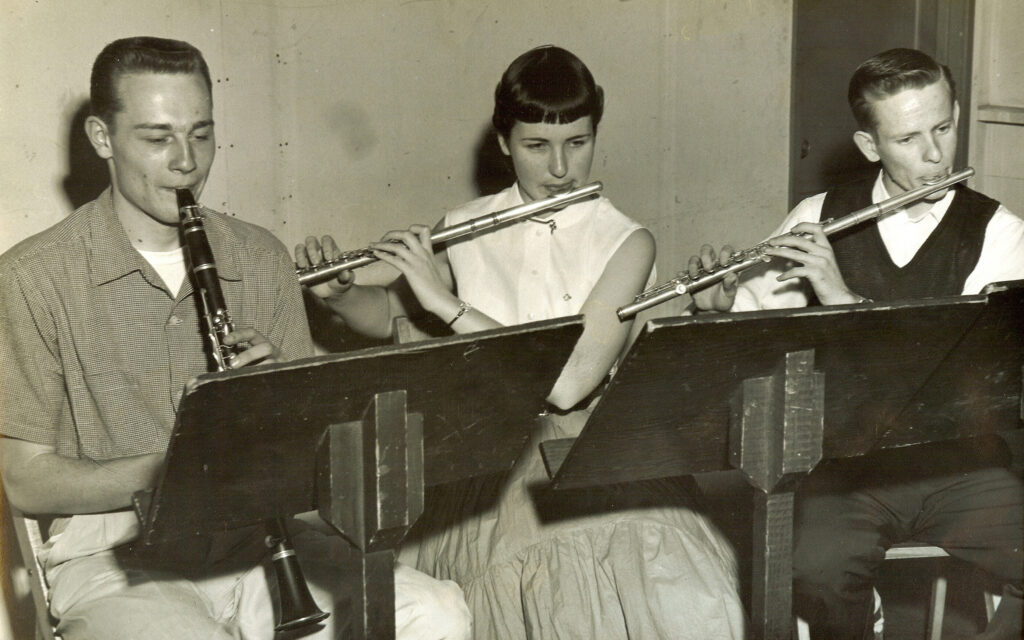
[174, 320]
[529, 316]
[533, 271]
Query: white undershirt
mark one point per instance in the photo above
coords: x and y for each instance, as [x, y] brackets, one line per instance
[170, 265]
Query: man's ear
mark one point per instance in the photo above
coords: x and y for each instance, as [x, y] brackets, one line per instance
[956, 114]
[99, 135]
[503, 143]
[865, 141]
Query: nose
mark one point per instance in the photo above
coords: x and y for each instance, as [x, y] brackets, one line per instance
[932, 152]
[184, 160]
[557, 164]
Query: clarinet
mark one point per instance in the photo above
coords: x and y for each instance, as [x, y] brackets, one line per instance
[297, 607]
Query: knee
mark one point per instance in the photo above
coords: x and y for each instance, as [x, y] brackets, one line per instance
[429, 609]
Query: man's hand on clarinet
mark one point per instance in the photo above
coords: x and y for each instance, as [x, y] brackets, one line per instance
[253, 348]
[719, 296]
[315, 252]
[808, 246]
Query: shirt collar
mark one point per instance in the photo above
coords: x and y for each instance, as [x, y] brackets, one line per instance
[114, 257]
[112, 253]
[934, 213]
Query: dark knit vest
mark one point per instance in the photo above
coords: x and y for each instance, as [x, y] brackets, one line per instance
[939, 268]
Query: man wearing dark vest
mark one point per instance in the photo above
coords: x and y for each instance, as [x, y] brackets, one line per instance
[956, 495]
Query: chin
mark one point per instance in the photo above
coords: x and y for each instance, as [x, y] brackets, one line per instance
[938, 195]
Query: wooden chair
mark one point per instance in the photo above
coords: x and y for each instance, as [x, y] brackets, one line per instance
[937, 603]
[30, 539]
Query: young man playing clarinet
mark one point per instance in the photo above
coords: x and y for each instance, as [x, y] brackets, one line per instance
[959, 495]
[100, 333]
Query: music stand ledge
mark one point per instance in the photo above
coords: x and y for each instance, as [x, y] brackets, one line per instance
[356, 436]
[773, 393]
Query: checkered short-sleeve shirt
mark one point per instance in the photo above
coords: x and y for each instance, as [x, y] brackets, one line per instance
[94, 350]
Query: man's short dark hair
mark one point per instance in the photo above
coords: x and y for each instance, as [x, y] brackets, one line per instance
[141, 54]
[887, 74]
[546, 84]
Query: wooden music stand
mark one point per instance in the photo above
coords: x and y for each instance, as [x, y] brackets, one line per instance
[772, 393]
[356, 436]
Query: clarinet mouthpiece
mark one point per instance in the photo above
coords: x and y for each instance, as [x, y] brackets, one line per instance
[185, 198]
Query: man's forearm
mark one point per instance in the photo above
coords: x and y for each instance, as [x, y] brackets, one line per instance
[365, 309]
[49, 483]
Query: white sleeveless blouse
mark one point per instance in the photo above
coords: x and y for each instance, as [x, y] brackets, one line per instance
[630, 561]
[527, 271]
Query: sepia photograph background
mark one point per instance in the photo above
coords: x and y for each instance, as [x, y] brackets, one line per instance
[356, 117]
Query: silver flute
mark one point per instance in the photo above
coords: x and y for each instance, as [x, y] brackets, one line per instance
[683, 283]
[324, 271]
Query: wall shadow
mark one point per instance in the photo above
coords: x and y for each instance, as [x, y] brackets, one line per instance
[87, 174]
[845, 163]
[492, 170]
[837, 165]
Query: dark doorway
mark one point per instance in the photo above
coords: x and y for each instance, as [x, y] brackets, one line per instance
[831, 37]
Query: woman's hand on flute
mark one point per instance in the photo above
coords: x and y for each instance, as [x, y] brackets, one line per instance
[808, 246]
[412, 253]
[315, 252]
[719, 296]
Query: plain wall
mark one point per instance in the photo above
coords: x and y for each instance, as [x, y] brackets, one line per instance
[353, 118]
[356, 117]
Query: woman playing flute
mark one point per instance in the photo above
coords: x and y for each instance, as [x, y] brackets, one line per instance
[613, 562]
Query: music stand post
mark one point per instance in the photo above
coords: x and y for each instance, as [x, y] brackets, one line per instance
[356, 436]
[772, 393]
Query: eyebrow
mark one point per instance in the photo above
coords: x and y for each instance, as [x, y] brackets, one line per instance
[907, 134]
[166, 127]
[543, 139]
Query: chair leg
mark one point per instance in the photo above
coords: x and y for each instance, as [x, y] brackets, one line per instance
[803, 630]
[878, 628]
[991, 604]
[937, 609]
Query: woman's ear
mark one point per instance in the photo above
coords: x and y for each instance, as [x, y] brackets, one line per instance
[503, 143]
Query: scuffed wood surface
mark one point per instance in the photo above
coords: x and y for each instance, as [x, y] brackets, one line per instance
[243, 448]
[895, 374]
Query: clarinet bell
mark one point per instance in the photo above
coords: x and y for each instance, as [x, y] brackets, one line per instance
[296, 607]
